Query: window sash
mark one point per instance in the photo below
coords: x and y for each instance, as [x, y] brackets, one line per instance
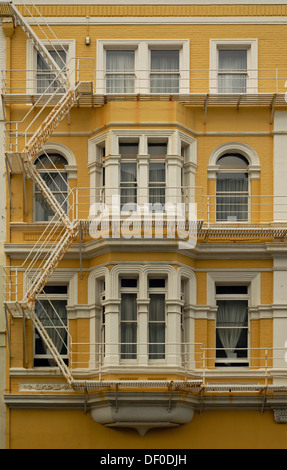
[232, 329]
[56, 326]
[164, 74]
[58, 185]
[128, 185]
[157, 184]
[232, 197]
[128, 326]
[120, 71]
[46, 78]
[232, 73]
[156, 326]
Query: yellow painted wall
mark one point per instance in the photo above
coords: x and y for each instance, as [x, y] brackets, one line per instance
[60, 429]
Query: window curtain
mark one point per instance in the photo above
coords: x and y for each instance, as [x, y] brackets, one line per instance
[157, 183]
[229, 202]
[128, 326]
[129, 185]
[44, 75]
[163, 63]
[120, 67]
[53, 316]
[157, 326]
[231, 63]
[231, 318]
[58, 184]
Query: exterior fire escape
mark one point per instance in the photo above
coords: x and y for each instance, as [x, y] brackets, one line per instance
[22, 293]
[63, 229]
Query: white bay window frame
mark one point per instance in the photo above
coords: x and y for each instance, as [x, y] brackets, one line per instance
[142, 61]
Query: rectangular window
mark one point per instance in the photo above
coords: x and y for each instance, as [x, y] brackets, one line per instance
[232, 73]
[128, 319]
[156, 319]
[128, 186]
[46, 79]
[157, 185]
[50, 308]
[120, 71]
[232, 326]
[164, 74]
[142, 66]
[232, 197]
[58, 185]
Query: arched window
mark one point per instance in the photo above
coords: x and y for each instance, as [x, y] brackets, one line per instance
[52, 169]
[232, 188]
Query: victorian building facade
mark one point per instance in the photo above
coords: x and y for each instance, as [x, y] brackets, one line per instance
[146, 269]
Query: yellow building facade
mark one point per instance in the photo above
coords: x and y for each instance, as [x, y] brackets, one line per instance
[146, 270]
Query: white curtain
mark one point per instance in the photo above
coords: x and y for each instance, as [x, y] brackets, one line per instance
[53, 316]
[45, 78]
[232, 71]
[229, 201]
[163, 63]
[129, 185]
[157, 184]
[231, 318]
[128, 326]
[157, 326]
[120, 67]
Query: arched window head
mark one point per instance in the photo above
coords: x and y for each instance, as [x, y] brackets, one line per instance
[232, 161]
[50, 161]
[52, 169]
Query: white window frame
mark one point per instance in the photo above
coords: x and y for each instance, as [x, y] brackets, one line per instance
[51, 297]
[251, 45]
[243, 194]
[161, 291]
[31, 74]
[128, 290]
[239, 297]
[142, 61]
[36, 190]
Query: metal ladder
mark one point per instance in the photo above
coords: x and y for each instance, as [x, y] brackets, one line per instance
[31, 149]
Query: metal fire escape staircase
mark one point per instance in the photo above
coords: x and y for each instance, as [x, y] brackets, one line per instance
[61, 231]
[45, 257]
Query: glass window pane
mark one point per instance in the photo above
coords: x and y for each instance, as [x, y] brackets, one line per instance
[232, 161]
[233, 60]
[129, 307]
[120, 61]
[128, 172]
[162, 60]
[128, 149]
[157, 307]
[157, 172]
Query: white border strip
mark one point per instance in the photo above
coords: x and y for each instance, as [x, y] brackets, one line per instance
[154, 2]
[76, 20]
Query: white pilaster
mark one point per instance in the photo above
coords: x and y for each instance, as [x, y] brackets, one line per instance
[280, 165]
[280, 312]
